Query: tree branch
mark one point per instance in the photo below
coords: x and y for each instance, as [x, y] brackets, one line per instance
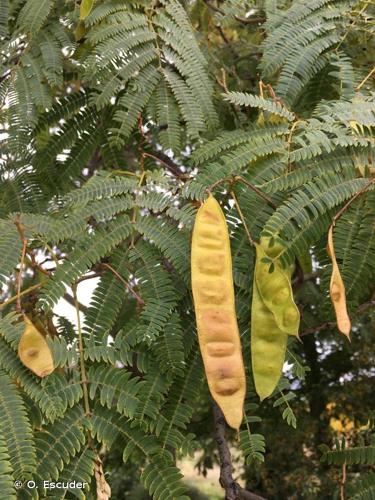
[332, 324]
[73, 303]
[21, 230]
[233, 491]
[366, 305]
[319, 328]
[167, 162]
[244, 20]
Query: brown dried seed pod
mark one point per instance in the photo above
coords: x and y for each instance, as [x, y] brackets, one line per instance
[337, 290]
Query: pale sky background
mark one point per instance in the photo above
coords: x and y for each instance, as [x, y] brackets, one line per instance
[85, 290]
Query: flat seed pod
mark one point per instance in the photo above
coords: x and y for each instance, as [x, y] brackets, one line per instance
[337, 290]
[276, 292]
[34, 352]
[268, 346]
[213, 293]
[85, 8]
[272, 247]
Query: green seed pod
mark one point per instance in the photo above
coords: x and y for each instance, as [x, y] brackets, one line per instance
[271, 246]
[276, 292]
[268, 346]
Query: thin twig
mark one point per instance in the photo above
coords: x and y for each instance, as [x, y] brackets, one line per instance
[233, 491]
[351, 26]
[342, 482]
[242, 218]
[253, 20]
[139, 300]
[5, 76]
[256, 190]
[238, 178]
[332, 324]
[167, 162]
[217, 183]
[72, 302]
[224, 37]
[21, 231]
[213, 7]
[37, 266]
[317, 329]
[223, 83]
[353, 198]
[366, 78]
[88, 277]
[24, 292]
[366, 305]
[81, 354]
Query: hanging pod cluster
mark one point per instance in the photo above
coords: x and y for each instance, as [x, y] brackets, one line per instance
[274, 314]
[34, 352]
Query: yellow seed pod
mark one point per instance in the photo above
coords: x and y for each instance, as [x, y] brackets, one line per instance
[213, 294]
[34, 352]
[276, 292]
[268, 346]
[337, 290]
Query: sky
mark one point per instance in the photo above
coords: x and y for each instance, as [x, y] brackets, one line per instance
[85, 290]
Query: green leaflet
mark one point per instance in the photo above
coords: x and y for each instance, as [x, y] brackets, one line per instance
[6, 472]
[276, 292]
[16, 429]
[33, 14]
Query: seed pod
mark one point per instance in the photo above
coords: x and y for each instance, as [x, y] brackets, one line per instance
[274, 315]
[213, 293]
[85, 8]
[268, 346]
[276, 292]
[337, 290]
[271, 246]
[34, 352]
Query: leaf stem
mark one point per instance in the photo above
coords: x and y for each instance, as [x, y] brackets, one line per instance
[353, 198]
[131, 290]
[256, 190]
[217, 183]
[366, 78]
[24, 292]
[84, 380]
[21, 230]
[242, 218]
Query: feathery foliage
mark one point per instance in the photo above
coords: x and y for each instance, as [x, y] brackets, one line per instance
[116, 121]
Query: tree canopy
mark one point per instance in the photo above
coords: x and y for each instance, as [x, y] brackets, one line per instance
[117, 119]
